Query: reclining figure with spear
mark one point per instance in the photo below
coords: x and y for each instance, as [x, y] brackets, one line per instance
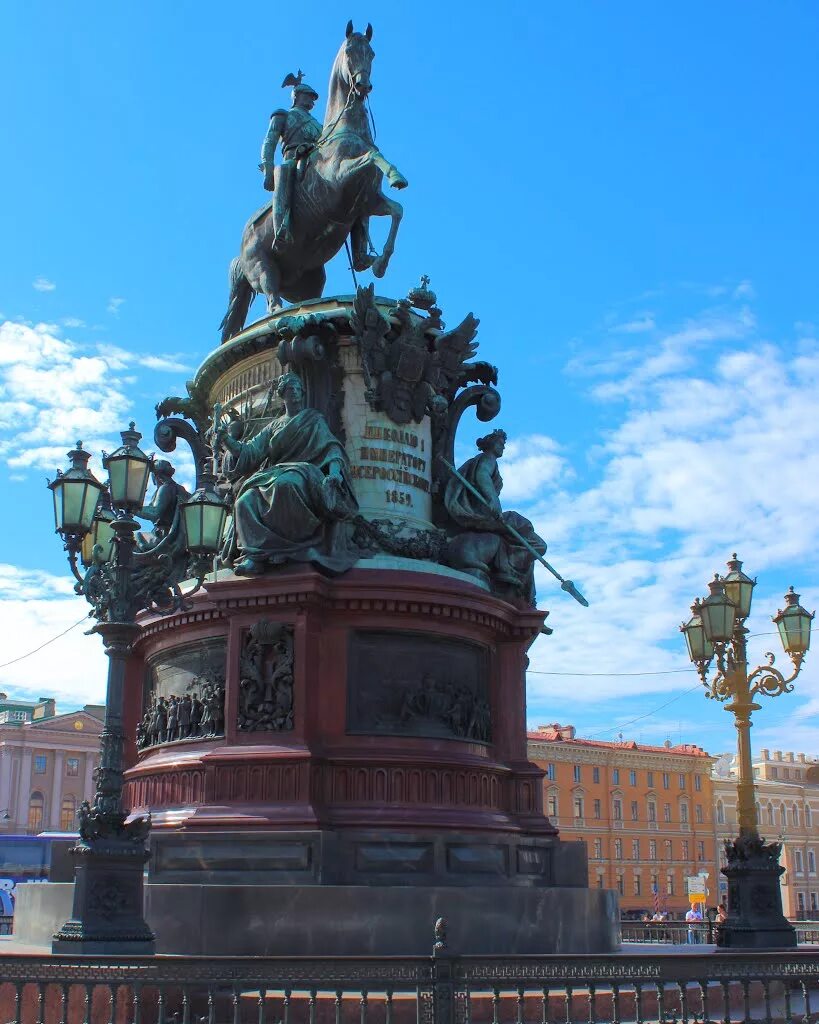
[496, 546]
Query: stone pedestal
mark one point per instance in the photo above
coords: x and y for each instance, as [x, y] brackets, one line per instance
[107, 909]
[344, 757]
[755, 918]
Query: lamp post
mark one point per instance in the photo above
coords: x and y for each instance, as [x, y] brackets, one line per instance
[717, 630]
[97, 525]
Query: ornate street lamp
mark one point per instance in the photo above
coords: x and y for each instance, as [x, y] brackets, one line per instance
[717, 632]
[96, 522]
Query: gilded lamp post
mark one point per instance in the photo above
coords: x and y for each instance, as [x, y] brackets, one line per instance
[716, 633]
[125, 573]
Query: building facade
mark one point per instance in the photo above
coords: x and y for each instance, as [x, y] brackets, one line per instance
[644, 812]
[47, 762]
[787, 807]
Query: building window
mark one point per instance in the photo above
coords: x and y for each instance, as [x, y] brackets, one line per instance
[577, 773]
[595, 774]
[650, 779]
[773, 773]
[655, 883]
[637, 885]
[684, 814]
[652, 849]
[667, 812]
[720, 813]
[578, 808]
[40, 764]
[756, 773]
[635, 811]
[597, 809]
[666, 780]
[811, 862]
[669, 888]
[72, 767]
[783, 818]
[618, 810]
[813, 903]
[668, 849]
[771, 815]
[68, 814]
[632, 778]
[698, 814]
[600, 882]
[652, 811]
[795, 815]
[551, 803]
[800, 900]
[598, 849]
[685, 853]
[550, 772]
[682, 781]
[35, 812]
[797, 858]
[701, 850]
[808, 819]
[615, 776]
[621, 886]
[698, 783]
[635, 849]
[618, 849]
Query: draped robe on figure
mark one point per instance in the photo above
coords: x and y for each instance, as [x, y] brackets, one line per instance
[282, 512]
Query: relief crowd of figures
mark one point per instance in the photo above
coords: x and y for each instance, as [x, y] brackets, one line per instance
[183, 717]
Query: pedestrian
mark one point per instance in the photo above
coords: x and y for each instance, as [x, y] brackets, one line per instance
[694, 920]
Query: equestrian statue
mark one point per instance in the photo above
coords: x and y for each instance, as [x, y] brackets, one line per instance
[326, 189]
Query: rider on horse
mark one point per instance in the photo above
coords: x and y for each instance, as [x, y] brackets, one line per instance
[297, 131]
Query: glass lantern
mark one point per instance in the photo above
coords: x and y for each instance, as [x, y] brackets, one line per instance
[738, 587]
[203, 518]
[101, 531]
[76, 494]
[128, 471]
[793, 624]
[700, 649]
[718, 613]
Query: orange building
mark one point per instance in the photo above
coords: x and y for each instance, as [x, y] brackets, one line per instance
[645, 813]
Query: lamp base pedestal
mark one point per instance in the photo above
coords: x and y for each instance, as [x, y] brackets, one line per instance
[755, 918]
[107, 915]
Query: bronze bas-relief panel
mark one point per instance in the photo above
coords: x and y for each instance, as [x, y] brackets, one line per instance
[412, 684]
[184, 695]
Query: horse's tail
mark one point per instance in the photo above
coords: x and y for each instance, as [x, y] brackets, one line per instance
[241, 295]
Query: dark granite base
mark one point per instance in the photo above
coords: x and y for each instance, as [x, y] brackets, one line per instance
[359, 857]
[325, 920]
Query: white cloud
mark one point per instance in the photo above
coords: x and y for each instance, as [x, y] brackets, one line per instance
[72, 321]
[42, 284]
[717, 446]
[114, 304]
[168, 363]
[36, 607]
[638, 325]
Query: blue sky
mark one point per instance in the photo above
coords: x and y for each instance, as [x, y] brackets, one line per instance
[623, 193]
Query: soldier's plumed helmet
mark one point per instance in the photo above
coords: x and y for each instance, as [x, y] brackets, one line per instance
[485, 443]
[304, 88]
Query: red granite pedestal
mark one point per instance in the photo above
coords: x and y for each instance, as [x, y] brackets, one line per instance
[352, 830]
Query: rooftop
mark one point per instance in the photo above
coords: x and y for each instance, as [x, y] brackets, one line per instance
[556, 733]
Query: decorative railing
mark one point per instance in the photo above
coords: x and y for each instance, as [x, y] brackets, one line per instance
[677, 932]
[442, 989]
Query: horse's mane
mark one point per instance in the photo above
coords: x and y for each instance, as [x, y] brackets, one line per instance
[338, 92]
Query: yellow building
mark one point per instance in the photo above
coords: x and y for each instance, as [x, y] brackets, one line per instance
[645, 813]
[47, 762]
[787, 806]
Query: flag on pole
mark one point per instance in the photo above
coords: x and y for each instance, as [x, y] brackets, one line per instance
[656, 891]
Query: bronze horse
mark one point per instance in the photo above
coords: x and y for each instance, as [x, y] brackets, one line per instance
[335, 194]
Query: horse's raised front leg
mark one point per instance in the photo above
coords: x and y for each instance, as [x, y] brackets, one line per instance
[387, 208]
[360, 237]
[374, 158]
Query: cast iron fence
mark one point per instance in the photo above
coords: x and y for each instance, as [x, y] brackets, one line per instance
[677, 932]
[443, 989]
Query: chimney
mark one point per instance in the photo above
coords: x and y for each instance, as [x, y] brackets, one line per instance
[766, 754]
[777, 755]
[802, 758]
[791, 756]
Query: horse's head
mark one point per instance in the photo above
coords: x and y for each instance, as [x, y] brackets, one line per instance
[356, 59]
